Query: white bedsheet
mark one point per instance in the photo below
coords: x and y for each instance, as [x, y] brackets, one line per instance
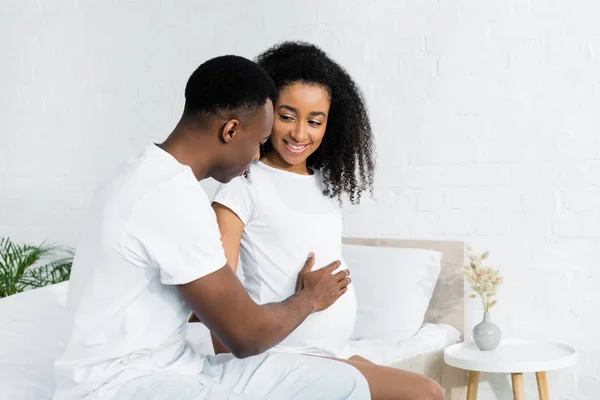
[430, 338]
[30, 340]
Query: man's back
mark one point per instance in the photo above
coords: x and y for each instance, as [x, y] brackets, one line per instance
[128, 319]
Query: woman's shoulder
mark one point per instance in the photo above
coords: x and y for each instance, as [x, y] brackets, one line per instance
[245, 185]
[237, 188]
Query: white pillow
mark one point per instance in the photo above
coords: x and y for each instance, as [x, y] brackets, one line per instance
[393, 289]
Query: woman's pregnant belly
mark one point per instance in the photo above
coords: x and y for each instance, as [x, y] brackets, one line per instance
[326, 332]
[271, 272]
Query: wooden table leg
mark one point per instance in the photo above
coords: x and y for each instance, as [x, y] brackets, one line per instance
[518, 389]
[473, 385]
[542, 384]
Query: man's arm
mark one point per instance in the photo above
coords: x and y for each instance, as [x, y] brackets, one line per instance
[245, 328]
[231, 228]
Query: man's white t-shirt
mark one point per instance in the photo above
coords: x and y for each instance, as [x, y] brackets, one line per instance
[286, 217]
[150, 229]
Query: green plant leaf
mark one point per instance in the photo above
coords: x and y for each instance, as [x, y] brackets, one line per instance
[20, 267]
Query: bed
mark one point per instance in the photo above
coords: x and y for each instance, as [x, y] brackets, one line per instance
[30, 330]
[446, 308]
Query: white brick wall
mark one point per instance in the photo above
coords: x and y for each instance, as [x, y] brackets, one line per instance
[486, 116]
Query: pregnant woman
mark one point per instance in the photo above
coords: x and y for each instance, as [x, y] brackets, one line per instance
[289, 204]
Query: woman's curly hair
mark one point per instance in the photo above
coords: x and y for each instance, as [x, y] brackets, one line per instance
[346, 154]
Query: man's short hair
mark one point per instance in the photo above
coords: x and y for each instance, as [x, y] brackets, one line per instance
[228, 84]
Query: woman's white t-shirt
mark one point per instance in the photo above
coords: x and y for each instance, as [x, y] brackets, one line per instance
[286, 217]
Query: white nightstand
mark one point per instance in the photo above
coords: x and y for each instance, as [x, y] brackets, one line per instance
[513, 357]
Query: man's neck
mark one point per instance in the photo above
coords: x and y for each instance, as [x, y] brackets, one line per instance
[190, 150]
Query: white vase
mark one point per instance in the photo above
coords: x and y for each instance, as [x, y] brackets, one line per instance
[486, 334]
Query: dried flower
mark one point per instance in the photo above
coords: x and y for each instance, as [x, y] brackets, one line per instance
[484, 280]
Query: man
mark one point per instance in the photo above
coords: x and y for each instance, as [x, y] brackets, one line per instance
[150, 254]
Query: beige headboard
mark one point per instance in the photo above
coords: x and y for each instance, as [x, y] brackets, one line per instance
[447, 303]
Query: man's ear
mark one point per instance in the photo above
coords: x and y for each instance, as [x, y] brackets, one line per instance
[229, 131]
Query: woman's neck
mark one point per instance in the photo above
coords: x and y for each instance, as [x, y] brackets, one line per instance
[273, 159]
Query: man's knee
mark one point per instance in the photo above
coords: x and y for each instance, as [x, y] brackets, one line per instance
[331, 379]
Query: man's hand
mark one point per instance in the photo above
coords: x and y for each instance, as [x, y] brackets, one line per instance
[322, 286]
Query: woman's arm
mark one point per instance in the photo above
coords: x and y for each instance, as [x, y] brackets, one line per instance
[231, 228]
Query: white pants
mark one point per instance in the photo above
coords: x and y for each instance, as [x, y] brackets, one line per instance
[270, 376]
